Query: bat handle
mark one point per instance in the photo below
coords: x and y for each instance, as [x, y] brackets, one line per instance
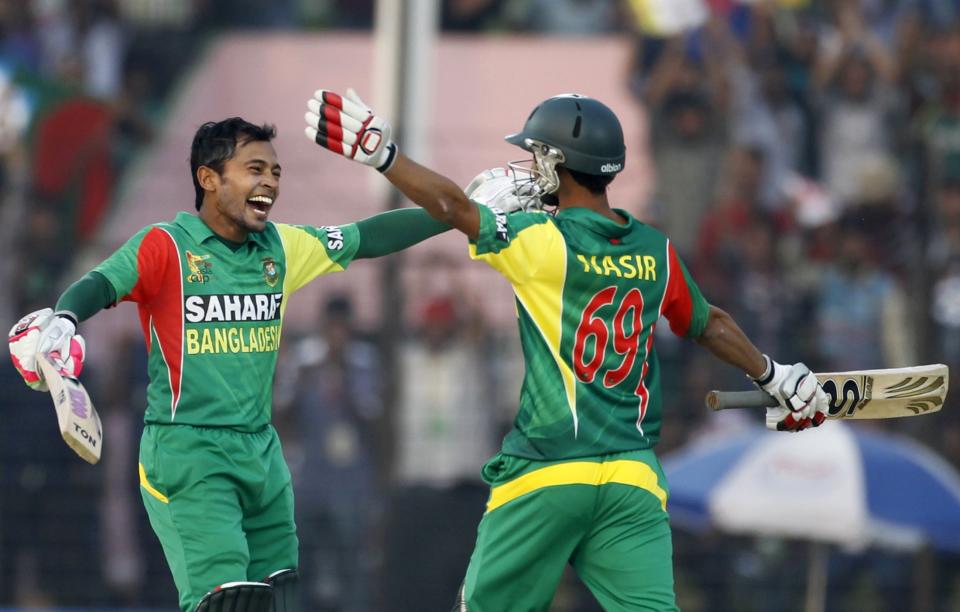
[721, 400]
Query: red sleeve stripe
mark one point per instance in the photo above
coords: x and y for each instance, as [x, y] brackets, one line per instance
[167, 321]
[642, 390]
[677, 303]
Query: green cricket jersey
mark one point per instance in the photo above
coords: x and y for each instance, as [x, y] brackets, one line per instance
[211, 315]
[589, 293]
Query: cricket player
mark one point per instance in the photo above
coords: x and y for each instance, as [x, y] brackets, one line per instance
[211, 290]
[576, 480]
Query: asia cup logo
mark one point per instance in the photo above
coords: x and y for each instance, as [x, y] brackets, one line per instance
[200, 268]
[270, 273]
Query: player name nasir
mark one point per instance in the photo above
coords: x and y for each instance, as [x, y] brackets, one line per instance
[244, 308]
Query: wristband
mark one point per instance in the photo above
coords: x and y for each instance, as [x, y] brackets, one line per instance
[391, 157]
[767, 375]
[69, 316]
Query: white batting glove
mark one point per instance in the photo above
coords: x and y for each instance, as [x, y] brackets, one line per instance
[345, 125]
[500, 188]
[45, 332]
[803, 402]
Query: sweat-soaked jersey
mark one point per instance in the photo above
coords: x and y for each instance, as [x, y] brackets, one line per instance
[589, 293]
[211, 315]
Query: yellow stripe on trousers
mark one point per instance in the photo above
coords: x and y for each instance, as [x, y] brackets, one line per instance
[633, 473]
[149, 487]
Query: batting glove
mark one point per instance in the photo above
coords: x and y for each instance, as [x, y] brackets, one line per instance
[345, 125]
[803, 402]
[59, 340]
[499, 188]
[45, 332]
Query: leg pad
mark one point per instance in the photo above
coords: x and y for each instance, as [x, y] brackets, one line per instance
[238, 597]
[286, 590]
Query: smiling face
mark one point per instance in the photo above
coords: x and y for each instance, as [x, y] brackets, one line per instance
[238, 200]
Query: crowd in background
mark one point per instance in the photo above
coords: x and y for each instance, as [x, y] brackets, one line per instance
[807, 167]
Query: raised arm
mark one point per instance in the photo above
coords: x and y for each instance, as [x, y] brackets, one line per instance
[345, 125]
[438, 195]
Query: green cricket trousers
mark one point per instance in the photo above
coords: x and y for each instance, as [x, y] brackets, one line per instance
[606, 516]
[221, 503]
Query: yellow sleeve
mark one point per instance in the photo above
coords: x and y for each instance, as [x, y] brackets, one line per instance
[314, 251]
[518, 244]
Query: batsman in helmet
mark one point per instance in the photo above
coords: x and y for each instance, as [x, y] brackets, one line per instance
[577, 480]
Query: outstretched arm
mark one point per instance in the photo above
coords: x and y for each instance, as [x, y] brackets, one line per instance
[724, 338]
[803, 403]
[394, 231]
[345, 125]
[48, 331]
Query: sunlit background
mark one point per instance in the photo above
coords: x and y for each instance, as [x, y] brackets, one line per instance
[804, 156]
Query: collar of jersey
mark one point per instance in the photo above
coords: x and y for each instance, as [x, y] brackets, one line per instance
[597, 222]
[200, 231]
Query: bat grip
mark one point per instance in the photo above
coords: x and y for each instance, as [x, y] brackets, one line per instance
[722, 400]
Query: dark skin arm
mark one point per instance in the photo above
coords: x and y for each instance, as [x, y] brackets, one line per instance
[443, 199]
[724, 338]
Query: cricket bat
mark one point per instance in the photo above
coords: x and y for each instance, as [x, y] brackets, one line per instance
[78, 419]
[863, 394]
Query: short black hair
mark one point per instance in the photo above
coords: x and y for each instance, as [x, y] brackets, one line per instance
[216, 141]
[595, 183]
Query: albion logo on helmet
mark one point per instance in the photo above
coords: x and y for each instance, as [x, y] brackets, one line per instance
[611, 167]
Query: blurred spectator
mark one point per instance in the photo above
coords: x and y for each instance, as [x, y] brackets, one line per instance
[15, 116]
[73, 166]
[937, 124]
[48, 536]
[20, 44]
[218, 14]
[38, 269]
[854, 77]
[131, 558]
[738, 264]
[352, 14]
[563, 17]
[329, 412]
[470, 15]
[101, 46]
[861, 312]
[764, 112]
[446, 427]
[445, 417]
[687, 104]
[945, 312]
[724, 226]
[944, 260]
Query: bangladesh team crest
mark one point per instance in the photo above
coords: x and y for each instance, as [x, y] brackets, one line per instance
[270, 273]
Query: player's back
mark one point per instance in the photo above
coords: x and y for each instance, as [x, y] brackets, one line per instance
[589, 294]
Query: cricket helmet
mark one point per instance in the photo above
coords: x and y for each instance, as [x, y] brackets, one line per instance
[578, 132]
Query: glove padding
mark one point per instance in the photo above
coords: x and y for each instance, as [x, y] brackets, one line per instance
[40, 333]
[500, 188]
[803, 402]
[345, 125]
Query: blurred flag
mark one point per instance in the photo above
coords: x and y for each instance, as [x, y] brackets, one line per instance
[669, 17]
